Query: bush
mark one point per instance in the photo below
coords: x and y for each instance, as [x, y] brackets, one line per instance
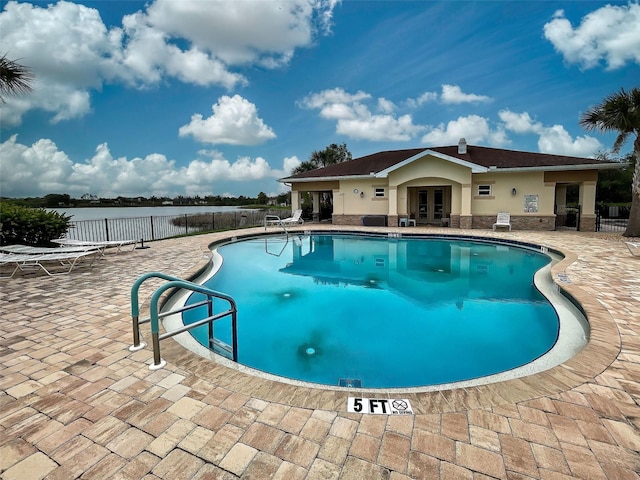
[30, 226]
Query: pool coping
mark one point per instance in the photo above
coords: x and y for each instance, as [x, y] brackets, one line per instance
[602, 349]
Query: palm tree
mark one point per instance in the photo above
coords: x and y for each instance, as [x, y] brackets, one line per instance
[15, 79]
[620, 112]
[331, 155]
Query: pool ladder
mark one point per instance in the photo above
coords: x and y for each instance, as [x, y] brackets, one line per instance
[155, 316]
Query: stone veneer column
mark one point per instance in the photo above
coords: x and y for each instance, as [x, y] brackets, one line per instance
[587, 223]
[466, 221]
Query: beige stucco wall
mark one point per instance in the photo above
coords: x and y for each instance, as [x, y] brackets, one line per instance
[502, 199]
[430, 167]
[347, 202]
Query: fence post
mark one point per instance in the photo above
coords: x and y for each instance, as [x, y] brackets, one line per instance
[213, 221]
[153, 235]
[186, 224]
[106, 227]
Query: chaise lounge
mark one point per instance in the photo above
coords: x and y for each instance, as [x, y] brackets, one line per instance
[634, 248]
[271, 220]
[118, 244]
[503, 220]
[68, 260]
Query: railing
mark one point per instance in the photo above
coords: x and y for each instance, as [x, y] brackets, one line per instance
[155, 316]
[161, 227]
[610, 224]
[612, 218]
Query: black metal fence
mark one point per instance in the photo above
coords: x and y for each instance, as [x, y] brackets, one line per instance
[160, 227]
[612, 218]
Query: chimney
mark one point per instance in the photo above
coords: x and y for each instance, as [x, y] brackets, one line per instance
[462, 146]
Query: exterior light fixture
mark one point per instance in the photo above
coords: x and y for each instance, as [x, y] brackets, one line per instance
[514, 191]
[361, 194]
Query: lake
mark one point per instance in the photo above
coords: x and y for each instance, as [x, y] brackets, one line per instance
[100, 213]
[156, 223]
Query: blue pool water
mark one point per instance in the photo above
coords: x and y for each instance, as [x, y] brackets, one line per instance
[388, 312]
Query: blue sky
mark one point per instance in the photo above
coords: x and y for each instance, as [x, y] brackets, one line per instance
[202, 97]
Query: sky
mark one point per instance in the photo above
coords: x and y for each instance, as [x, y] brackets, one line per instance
[204, 97]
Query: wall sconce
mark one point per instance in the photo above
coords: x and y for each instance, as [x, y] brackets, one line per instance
[514, 191]
[361, 194]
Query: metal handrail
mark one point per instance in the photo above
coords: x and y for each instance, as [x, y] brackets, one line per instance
[268, 219]
[155, 315]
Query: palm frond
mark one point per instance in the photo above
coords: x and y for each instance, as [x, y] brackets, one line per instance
[15, 79]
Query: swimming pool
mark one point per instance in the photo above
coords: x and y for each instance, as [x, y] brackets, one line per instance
[383, 312]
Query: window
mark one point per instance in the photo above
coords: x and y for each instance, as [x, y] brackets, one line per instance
[484, 190]
[379, 192]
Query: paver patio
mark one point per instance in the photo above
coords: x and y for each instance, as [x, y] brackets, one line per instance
[75, 403]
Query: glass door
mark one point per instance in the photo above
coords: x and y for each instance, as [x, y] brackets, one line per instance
[423, 206]
[438, 204]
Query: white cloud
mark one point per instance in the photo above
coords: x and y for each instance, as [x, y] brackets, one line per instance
[450, 94]
[68, 48]
[331, 97]
[149, 55]
[520, 122]
[42, 168]
[610, 34]
[422, 99]
[475, 129]
[72, 52]
[386, 106]
[557, 140]
[234, 121]
[553, 139]
[379, 127]
[264, 32]
[453, 94]
[355, 120]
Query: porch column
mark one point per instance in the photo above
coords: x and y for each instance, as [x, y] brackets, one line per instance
[316, 205]
[295, 200]
[392, 218]
[465, 208]
[588, 207]
[393, 201]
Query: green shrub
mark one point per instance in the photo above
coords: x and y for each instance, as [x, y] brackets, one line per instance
[30, 226]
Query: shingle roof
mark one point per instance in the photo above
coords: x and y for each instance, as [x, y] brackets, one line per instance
[482, 156]
[375, 162]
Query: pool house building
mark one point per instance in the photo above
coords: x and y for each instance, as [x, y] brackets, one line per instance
[459, 186]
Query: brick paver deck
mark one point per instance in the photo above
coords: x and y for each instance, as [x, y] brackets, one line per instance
[75, 403]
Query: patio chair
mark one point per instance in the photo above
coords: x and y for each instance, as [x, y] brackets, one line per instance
[68, 260]
[503, 220]
[271, 220]
[117, 244]
[634, 248]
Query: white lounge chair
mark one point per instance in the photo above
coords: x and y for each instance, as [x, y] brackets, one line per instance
[634, 248]
[23, 261]
[118, 244]
[503, 220]
[29, 250]
[271, 220]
